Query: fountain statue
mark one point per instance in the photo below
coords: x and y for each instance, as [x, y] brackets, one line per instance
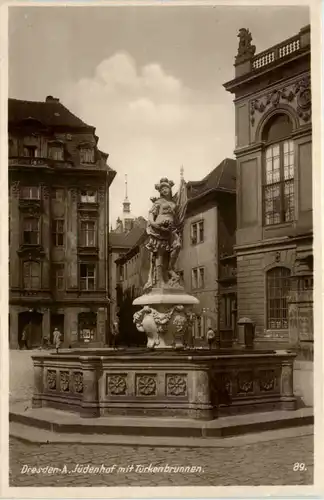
[167, 324]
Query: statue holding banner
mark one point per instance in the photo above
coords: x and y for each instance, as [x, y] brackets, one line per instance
[164, 229]
[166, 315]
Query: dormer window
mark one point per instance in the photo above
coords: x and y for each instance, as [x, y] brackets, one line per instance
[87, 155]
[88, 196]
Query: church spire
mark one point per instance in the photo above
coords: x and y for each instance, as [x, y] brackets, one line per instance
[126, 203]
[181, 174]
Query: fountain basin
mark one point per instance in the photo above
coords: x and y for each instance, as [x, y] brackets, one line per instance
[188, 383]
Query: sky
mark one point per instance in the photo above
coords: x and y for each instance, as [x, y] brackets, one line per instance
[150, 79]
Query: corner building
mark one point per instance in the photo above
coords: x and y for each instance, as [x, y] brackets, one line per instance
[274, 197]
[58, 221]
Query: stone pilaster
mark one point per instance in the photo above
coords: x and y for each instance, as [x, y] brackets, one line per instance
[288, 401]
[13, 328]
[46, 236]
[14, 236]
[200, 395]
[102, 242]
[38, 383]
[72, 239]
[90, 398]
[46, 323]
[101, 325]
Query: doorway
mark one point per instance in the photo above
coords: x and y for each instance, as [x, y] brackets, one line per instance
[57, 321]
[35, 320]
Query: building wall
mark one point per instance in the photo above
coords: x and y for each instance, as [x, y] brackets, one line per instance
[204, 254]
[284, 89]
[47, 302]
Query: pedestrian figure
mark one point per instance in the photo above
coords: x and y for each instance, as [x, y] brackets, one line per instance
[210, 337]
[45, 341]
[57, 338]
[25, 336]
[115, 331]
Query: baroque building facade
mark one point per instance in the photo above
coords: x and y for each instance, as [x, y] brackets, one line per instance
[274, 195]
[58, 220]
[207, 263]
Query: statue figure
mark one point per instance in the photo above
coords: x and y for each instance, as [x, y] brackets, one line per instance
[245, 49]
[164, 227]
[166, 315]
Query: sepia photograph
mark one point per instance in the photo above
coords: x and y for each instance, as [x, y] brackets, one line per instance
[161, 253]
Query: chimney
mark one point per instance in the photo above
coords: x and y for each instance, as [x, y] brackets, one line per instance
[50, 98]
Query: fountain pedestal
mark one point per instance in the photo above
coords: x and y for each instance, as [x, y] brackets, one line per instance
[166, 317]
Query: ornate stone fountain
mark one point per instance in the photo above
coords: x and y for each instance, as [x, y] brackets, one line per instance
[166, 315]
[168, 379]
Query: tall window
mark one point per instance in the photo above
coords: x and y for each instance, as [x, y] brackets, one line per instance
[278, 287]
[58, 233]
[31, 275]
[278, 190]
[87, 155]
[197, 232]
[58, 277]
[88, 196]
[30, 151]
[87, 276]
[88, 233]
[55, 152]
[198, 278]
[31, 231]
[30, 193]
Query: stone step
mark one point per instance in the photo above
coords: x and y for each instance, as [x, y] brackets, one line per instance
[30, 434]
[63, 423]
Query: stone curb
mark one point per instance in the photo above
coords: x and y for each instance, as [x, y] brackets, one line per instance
[58, 422]
[31, 435]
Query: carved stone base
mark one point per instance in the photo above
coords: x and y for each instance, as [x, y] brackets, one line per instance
[166, 317]
[194, 384]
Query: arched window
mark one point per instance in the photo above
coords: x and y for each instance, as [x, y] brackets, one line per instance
[279, 170]
[31, 275]
[278, 287]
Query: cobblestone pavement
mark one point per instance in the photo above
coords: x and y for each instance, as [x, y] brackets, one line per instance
[264, 463]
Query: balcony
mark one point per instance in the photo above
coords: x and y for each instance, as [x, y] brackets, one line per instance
[32, 207]
[33, 250]
[40, 162]
[277, 52]
[227, 273]
[249, 65]
[88, 251]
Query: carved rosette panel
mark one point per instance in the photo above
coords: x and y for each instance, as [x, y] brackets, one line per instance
[116, 384]
[176, 385]
[65, 381]
[297, 95]
[245, 382]
[51, 379]
[267, 380]
[78, 382]
[146, 385]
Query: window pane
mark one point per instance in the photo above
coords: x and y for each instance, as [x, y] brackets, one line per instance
[278, 286]
[289, 200]
[272, 204]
